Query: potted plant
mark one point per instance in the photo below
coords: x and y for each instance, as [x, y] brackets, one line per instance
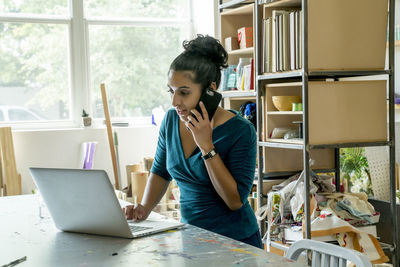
[86, 119]
[354, 168]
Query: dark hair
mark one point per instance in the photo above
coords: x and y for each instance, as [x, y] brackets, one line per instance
[205, 57]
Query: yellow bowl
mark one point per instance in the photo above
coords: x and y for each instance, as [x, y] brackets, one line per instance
[284, 102]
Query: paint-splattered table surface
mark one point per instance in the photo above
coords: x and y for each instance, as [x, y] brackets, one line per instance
[24, 233]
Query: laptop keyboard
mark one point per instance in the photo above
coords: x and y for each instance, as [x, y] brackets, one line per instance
[135, 228]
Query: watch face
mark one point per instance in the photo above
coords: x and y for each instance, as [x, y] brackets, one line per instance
[210, 154]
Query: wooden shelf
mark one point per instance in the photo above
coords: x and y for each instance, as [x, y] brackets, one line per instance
[238, 94]
[243, 51]
[286, 141]
[284, 84]
[287, 156]
[396, 43]
[284, 112]
[396, 106]
[284, 3]
[231, 20]
[243, 10]
[280, 75]
[234, 102]
[325, 50]
[234, 3]
[321, 74]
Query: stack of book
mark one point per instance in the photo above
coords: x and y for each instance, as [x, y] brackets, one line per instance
[282, 39]
[267, 1]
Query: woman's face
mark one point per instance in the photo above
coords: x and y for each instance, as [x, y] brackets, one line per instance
[185, 94]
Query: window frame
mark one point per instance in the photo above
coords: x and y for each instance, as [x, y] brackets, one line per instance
[79, 84]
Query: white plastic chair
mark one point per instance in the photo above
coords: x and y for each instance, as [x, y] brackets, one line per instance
[327, 255]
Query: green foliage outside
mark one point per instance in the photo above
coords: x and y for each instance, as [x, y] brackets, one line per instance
[354, 168]
[132, 61]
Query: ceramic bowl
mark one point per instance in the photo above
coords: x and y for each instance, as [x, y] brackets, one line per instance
[284, 102]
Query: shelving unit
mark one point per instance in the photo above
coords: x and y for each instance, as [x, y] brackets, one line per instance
[337, 113]
[234, 15]
[396, 43]
[243, 51]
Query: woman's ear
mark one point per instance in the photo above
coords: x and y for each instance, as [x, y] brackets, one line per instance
[213, 86]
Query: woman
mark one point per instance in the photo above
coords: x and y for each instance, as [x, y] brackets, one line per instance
[213, 162]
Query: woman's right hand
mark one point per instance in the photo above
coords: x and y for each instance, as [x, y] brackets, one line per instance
[136, 212]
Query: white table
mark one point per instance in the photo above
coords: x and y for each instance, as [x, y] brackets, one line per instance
[24, 233]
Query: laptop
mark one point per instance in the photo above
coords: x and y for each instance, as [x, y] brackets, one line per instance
[84, 201]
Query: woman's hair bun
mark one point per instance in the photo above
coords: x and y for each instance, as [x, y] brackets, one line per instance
[208, 47]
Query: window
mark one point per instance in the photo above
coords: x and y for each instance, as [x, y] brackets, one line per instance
[131, 45]
[19, 114]
[34, 65]
[54, 54]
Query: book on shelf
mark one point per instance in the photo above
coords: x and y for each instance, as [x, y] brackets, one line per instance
[277, 37]
[300, 39]
[267, 47]
[292, 41]
[280, 42]
[266, 1]
[268, 44]
[263, 120]
[264, 39]
[296, 40]
[246, 77]
[252, 74]
[283, 40]
[274, 40]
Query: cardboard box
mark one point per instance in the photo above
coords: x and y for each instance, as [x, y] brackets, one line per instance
[245, 37]
[231, 43]
[267, 184]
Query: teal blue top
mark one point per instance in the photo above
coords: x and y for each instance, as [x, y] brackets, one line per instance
[236, 143]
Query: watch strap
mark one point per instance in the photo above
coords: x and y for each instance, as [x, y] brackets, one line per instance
[212, 153]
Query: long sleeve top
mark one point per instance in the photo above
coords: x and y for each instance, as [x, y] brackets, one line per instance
[236, 142]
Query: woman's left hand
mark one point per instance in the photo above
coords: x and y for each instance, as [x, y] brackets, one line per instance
[201, 128]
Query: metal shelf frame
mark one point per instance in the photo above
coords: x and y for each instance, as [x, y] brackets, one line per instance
[305, 75]
[290, 173]
[392, 148]
[322, 146]
[321, 74]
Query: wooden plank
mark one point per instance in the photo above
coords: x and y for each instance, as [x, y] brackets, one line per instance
[10, 174]
[109, 134]
[1, 176]
[397, 176]
[243, 10]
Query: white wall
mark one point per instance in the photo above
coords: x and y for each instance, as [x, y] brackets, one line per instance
[61, 148]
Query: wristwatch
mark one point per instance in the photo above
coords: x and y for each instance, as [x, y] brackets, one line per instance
[212, 153]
